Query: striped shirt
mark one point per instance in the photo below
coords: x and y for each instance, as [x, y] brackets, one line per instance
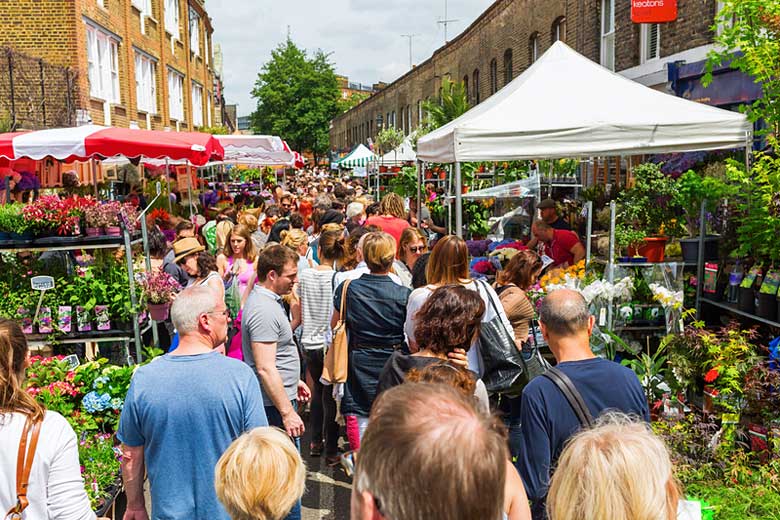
[316, 292]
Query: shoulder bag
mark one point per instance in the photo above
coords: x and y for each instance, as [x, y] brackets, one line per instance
[534, 362]
[572, 395]
[336, 362]
[24, 463]
[505, 369]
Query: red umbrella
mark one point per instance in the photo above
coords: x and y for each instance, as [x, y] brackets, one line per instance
[98, 142]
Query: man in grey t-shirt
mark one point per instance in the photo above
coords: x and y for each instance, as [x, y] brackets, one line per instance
[267, 339]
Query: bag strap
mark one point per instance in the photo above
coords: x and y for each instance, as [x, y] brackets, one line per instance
[24, 461]
[571, 394]
[343, 306]
[490, 297]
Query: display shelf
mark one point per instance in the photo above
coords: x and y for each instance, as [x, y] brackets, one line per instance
[87, 243]
[629, 328]
[562, 184]
[731, 307]
[100, 336]
[643, 264]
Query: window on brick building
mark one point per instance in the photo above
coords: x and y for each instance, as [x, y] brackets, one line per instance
[145, 83]
[145, 8]
[608, 34]
[208, 108]
[727, 24]
[419, 112]
[395, 125]
[197, 104]
[172, 18]
[493, 76]
[176, 95]
[533, 48]
[103, 64]
[508, 72]
[466, 86]
[558, 32]
[475, 85]
[650, 42]
[194, 32]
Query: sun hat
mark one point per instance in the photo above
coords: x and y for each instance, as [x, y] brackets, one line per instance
[186, 247]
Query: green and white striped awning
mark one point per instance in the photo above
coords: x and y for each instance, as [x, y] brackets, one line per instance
[360, 156]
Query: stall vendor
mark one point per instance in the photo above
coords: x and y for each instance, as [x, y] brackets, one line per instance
[548, 211]
[563, 246]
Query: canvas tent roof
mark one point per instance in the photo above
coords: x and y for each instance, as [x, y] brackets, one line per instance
[360, 156]
[404, 153]
[565, 105]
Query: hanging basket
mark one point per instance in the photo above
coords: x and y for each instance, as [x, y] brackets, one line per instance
[158, 311]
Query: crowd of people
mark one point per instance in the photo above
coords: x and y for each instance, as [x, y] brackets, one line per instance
[215, 424]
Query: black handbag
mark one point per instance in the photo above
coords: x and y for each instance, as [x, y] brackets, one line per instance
[505, 369]
[535, 364]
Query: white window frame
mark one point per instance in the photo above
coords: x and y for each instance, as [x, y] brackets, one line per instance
[102, 3]
[145, 83]
[722, 27]
[560, 23]
[103, 64]
[197, 104]
[645, 55]
[175, 95]
[608, 34]
[194, 23]
[208, 109]
[145, 8]
[172, 18]
[534, 48]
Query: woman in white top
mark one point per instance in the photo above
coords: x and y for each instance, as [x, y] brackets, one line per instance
[449, 264]
[56, 489]
[316, 287]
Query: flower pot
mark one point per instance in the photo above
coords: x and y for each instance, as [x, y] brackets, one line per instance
[83, 323]
[464, 189]
[94, 232]
[4, 235]
[383, 169]
[428, 174]
[44, 321]
[767, 306]
[158, 311]
[113, 231]
[690, 249]
[747, 300]
[102, 318]
[652, 249]
[64, 318]
[26, 319]
[442, 176]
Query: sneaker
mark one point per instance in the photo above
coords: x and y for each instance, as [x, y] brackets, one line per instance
[315, 449]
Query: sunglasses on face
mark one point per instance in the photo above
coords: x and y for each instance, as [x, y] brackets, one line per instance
[416, 249]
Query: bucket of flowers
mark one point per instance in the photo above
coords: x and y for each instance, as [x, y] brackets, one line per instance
[158, 289]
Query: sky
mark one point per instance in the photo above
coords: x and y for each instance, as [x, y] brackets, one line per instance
[363, 36]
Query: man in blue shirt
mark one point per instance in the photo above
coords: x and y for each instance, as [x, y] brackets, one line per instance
[182, 412]
[546, 416]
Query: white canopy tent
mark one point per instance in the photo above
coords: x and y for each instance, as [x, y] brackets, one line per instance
[403, 154]
[565, 105]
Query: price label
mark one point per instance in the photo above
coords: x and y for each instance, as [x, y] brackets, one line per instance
[72, 361]
[42, 283]
[682, 325]
[603, 317]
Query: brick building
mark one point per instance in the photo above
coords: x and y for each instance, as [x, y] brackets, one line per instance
[504, 40]
[144, 63]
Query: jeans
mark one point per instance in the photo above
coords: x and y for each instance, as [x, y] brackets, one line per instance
[275, 419]
[323, 406]
[509, 410]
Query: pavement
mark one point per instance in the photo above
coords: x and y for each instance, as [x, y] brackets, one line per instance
[327, 489]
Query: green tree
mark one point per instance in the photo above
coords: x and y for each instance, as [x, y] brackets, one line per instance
[452, 103]
[297, 96]
[389, 139]
[750, 38]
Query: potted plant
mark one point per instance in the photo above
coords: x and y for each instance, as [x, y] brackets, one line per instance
[627, 239]
[648, 207]
[110, 215]
[692, 190]
[157, 291]
[95, 220]
[13, 225]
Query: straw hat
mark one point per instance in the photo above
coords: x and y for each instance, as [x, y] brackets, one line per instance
[186, 247]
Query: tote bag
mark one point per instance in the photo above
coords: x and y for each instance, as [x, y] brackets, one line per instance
[336, 364]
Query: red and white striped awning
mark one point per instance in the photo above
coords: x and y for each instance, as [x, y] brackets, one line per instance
[100, 142]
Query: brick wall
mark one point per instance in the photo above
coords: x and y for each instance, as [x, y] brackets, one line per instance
[55, 31]
[510, 24]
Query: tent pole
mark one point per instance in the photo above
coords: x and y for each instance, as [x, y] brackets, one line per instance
[747, 152]
[168, 179]
[458, 201]
[419, 194]
[589, 235]
[93, 169]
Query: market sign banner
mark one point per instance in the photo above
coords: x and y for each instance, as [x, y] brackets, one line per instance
[653, 11]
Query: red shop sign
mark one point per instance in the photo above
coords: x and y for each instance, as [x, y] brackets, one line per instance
[653, 11]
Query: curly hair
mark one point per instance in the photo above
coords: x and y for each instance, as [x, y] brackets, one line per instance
[449, 319]
[445, 373]
[206, 264]
[392, 204]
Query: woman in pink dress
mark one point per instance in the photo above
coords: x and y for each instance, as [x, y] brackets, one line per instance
[236, 265]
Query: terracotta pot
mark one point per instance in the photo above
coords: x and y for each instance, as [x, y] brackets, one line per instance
[653, 249]
[383, 169]
[464, 189]
[158, 311]
[442, 176]
[428, 174]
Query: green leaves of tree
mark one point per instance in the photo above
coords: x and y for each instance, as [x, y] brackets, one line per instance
[297, 96]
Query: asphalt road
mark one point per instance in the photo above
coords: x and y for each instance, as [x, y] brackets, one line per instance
[327, 489]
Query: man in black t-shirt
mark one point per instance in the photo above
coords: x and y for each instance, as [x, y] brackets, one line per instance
[547, 417]
[548, 211]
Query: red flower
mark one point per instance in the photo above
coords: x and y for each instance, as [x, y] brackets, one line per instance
[711, 376]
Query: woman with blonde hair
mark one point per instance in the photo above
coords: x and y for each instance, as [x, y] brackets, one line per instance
[619, 469]
[269, 453]
[298, 241]
[392, 216]
[375, 308]
[55, 488]
[449, 264]
[236, 265]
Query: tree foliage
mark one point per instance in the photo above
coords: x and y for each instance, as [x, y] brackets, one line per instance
[452, 103]
[297, 96]
[750, 38]
[345, 105]
[389, 139]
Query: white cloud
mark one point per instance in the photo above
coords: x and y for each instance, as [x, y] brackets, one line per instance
[363, 36]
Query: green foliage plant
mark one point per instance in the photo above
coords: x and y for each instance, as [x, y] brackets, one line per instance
[692, 190]
[451, 104]
[405, 182]
[389, 139]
